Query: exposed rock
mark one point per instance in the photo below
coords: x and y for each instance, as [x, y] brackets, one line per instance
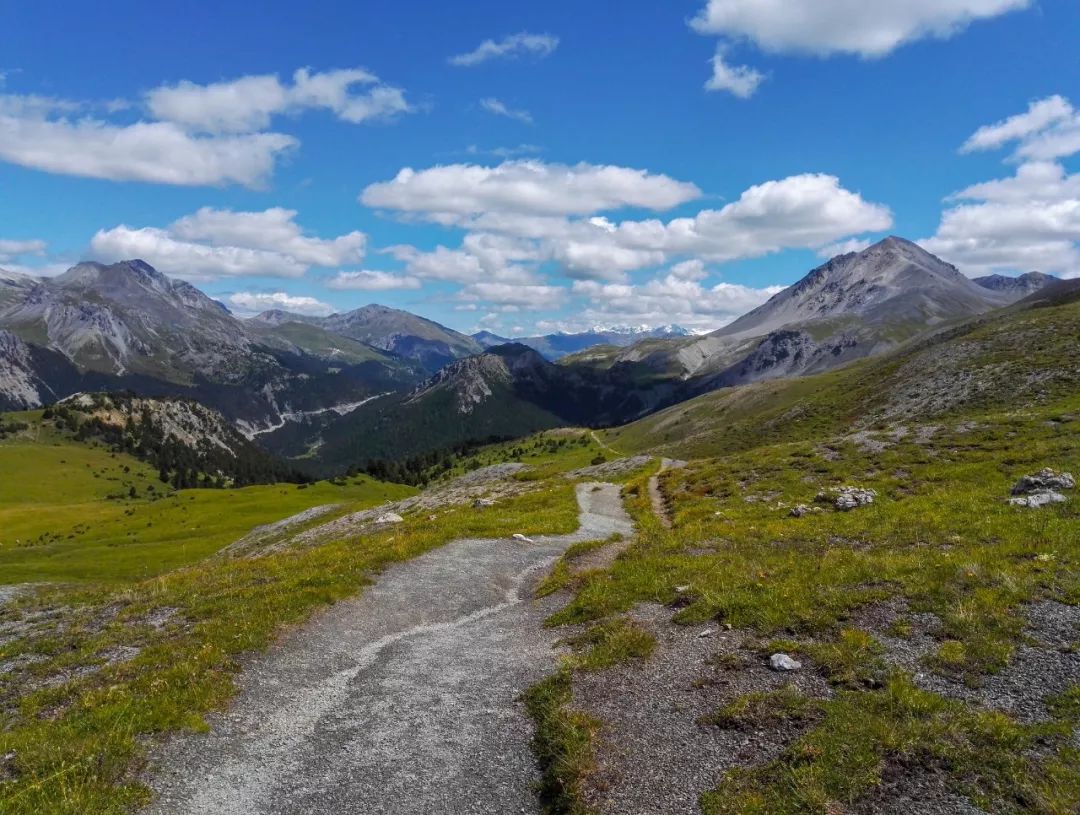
[1042, 481]
[389, 518]
[521, 538]
[847, 498]
[783, 662]
[1038, 499]
[799, 510]
[481, 503]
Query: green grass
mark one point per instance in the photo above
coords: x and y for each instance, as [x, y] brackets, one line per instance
[563, 744]
[862, 734]
[611, 642]
[79, 743]
[57, 522]
[765, 709]
[940, 538]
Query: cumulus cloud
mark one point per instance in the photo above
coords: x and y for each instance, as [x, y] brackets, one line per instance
[272, 230]
[247, 104]
[511, 47]
[367, 280]
[738, 80]
[678, 297]
[519, 220]
[450, 193]
[254, 302]
[198, 135]
[220, 243]
[1023, 222]
[868, 28]
[1048, 129]
[10, 249]
[492, 105]
[513, 294]
[799, 212]
[48, 138]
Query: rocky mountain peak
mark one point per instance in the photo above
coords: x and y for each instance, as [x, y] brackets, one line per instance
[893, 279]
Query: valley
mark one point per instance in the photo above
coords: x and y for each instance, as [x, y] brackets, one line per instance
[600, 563]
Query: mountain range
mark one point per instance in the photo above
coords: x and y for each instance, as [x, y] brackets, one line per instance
[377, 382]
[558, 345]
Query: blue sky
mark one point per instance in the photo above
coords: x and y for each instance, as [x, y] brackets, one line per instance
[612, 162]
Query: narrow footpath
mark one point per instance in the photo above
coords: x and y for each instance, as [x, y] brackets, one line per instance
[403, 700]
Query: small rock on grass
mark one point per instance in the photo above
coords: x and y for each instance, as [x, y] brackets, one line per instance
[783, 662]
[846, 499]
[1044, 481]
[1038, 499]
[389, 518]
[480, 503]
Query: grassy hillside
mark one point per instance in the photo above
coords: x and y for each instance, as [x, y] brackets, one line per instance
[1010, 360]
[937, 627]
[139, 631]
[67, 511]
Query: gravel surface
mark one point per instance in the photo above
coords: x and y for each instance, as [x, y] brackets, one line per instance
[402, 700]
[653, 755]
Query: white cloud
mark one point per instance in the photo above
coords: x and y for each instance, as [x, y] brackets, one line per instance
[1039, 116]
[1030, 220]
[831, 250]
[869, 28]
[798, 212]
[255, 302]
[805, 211]
[247, 104]
[199, 135]
[739, 80]
[367, 280]
[220, 243]
[450, 193]
[272, 230]
[10, 249]
[516, 45]
[46, 138]
[1049, 129]
[492, 105]
[673, 298]
[513, 294]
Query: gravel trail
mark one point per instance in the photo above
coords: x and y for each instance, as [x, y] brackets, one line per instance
[402, 700]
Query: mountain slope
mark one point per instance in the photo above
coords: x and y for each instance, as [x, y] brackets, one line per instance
[1026, 355]
[127, 326]
[1015, 288]
[557, 346]
[856, 305]
[130, 318]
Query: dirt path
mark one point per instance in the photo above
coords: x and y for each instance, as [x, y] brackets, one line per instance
[403, 700]
[656, 498]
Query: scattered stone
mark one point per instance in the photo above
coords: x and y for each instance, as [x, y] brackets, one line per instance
[1038, 499]
[389, 518]
[1044, 481]
[480, 503]
[783, 662]
[708, 632]
[682, 589]
[519, 537]
[847, 498]
[799, 510]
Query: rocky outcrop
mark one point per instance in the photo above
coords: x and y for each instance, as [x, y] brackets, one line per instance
[1041, 489]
